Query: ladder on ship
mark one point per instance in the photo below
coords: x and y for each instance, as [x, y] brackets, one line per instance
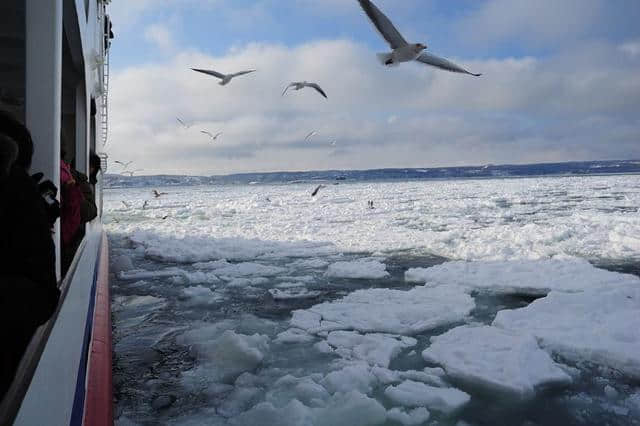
[104, 105]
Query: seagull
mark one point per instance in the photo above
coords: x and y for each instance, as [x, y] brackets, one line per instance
[297, 85]
[402, 51]
[315, 191]
[185, 125]
[125, 165]
[158, 194]
[126, 204]
[224, 78]
[306, 138]
[144, 206]
[211, 135]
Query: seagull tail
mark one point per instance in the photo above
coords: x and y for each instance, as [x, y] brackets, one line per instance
[386, 59]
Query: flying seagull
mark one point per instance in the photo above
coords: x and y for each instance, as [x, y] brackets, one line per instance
[158, 194]
[313, 133]
[125, 165]
[402, 51]
[185, 125]
[297, 85]
[211, 135]
[315, 191]
[224, 78]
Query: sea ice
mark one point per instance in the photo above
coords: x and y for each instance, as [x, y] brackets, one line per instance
[231, 354]
[375, 349]
[200, 295]
[417, 416]
[294, 335]
[388, 311]
[293, 293]
[530, 277]
[416, 394]
[363, 269]
[495, 359]
[249, 269]
[597, 326]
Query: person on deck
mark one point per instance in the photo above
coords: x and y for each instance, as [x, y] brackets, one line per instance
[28, 286]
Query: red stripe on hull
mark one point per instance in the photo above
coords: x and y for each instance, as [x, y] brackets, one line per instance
[99, 398]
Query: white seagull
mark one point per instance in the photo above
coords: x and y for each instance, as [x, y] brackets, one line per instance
[185, 125]
[224, 78]
[123, 164]
[312, 133]
[297, 85]
[211, 135]
[402, 51]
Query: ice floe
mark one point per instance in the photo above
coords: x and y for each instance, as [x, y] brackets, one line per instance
[597, 326]
[519, 276]
[388, 311]
[416, 394]
[495, 359]
[371, 269]
[375, 349]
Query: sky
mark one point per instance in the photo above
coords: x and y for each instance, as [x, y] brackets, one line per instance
[561, 82]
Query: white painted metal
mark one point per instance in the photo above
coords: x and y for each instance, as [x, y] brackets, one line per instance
[49, 400]
[44, 89]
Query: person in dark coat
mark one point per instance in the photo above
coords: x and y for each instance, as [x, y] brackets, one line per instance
[28, 286]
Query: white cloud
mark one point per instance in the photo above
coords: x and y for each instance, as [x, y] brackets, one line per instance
[574, 106]
[537, 22]
[631, 48]
[160, 36]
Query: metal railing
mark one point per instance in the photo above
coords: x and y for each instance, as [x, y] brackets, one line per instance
[104, 105]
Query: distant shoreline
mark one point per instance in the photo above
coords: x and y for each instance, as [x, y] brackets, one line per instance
[490, 171]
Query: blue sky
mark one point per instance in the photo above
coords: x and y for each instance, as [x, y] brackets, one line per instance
[560, 83]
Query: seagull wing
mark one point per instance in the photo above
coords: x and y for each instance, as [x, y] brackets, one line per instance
[206, 133]
[119, 162]
[318, 88]
[242, 73]
[210, 72]
[383, 25]
[315, 191]
[217, 134]
[309, 135]
[287, 88]
[438, 62]
[182, 122]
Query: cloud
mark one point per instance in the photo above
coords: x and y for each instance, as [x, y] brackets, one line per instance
[537, 22]
[579, 104]
[160, 36]
[631, 48]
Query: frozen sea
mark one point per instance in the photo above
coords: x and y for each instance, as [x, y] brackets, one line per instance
[509, 301]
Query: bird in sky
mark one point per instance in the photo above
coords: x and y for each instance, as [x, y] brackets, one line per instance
[211, 135]
[224, 78]
[310, 134]
[402, 51]
[315, 191]
[123, 164]
[158, 194]
[297, 85]
[185, 125]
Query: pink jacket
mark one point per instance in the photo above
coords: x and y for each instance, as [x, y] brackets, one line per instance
[70, 201]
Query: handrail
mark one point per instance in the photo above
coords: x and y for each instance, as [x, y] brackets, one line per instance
[12, 400]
